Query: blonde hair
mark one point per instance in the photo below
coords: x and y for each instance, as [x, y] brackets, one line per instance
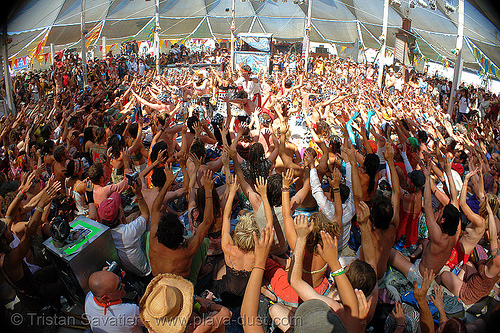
[321, 222]
[493, 201]
[243, 233]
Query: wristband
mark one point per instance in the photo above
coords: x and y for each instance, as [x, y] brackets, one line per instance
[338, 272]
[335, 190]
[259, 267]
[208, 198]
[404, 326]
[39, 209]
[285, 189]
[21, 190]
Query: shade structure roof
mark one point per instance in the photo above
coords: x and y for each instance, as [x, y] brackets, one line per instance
[337, 21]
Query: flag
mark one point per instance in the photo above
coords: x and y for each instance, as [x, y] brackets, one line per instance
[39, 48]
[47, 56]
[111, 47]
[486, 64]
[342, 49]
[93, 34]
[150, 30]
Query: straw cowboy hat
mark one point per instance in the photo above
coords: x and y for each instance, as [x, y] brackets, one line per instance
[167, 304]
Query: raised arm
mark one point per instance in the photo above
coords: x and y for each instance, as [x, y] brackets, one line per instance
[290, 234]
[302, 288]
[208, 214]
[471, 216]
[251, 300]
[155, 209]
[227, 240]
[261, 188]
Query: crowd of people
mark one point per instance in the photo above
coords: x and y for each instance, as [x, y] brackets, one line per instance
[271, 201]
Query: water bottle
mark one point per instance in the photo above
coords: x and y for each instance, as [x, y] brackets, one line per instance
[400, 243]
[64, 304]
[457, 268]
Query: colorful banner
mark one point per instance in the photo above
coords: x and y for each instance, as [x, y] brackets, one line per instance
[46, 56]
[256, 61]
[150, 30]
[486, 64]
[111, 47]
[20, 63]
[93, 34]
[39, 48]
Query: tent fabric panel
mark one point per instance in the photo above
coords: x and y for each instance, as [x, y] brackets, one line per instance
[178, 28]
[367, 11]
[330, 10]
[271, 9]
[479, 27]
[220, 26]
[341, 32]
[122, 29]
[218, 8]
[94, 11]
[490, 50]
[284, 28]
[127, 10]
[182, 8]
[36, 15]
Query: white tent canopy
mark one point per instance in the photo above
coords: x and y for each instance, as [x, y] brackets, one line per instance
[337, 21]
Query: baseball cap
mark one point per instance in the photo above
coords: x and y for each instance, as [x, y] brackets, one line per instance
[109, 208]
[316, 316]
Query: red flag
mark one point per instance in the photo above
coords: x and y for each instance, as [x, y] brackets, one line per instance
[39, 48]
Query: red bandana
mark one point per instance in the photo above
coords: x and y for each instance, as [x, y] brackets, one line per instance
[106, 305]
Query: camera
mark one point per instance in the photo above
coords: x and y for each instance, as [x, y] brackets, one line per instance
[132, 178]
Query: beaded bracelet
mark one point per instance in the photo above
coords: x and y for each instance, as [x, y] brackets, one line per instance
[338, 272]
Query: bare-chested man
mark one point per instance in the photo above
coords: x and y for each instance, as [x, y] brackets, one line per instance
[169, 251]
[384, 217]
[443, 235]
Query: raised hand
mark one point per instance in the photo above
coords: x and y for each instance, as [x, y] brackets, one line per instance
[181, 158]
[335, 182]
[288, 179]
[399, 314]
[162, 156]
[196, 160]
[302, 226]
[208, 181]
[232, 183]
[137, 187]
[263, 245]
[421, 293]
[389, 152]
[170, 177]
[363, 212]
[231, 152]
[261, 186]
[28, 183]
[472, 173]
[50, 193]
[329, 250]
[437, 298]
[364, 304]
[308, 159]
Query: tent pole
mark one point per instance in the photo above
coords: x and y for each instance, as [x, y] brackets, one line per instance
[6, 72]
[52, 53]
[457, 73]
[84, 47]
[233, 27]
[103, 48]
[157, 38]
[384, 43]
[307, 35]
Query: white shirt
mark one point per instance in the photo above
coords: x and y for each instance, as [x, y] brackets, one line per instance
[119, 318]
[249, 86]
[328, 207]
[462, 105]
[127, 238]
[132, 66]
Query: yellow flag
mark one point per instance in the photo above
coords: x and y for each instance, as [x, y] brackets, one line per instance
[39, 48]
[342, 49]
